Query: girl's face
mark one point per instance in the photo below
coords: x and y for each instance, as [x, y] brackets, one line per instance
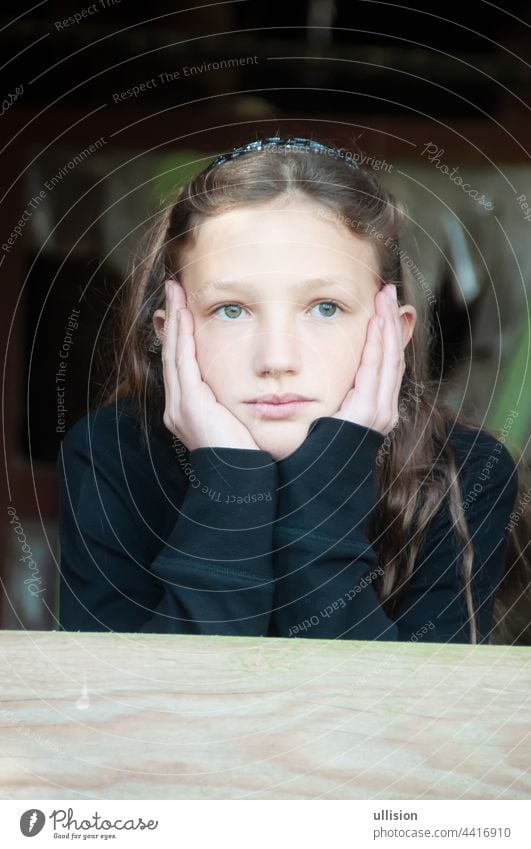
[281, 296]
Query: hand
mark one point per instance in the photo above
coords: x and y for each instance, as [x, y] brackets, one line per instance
[191, 410]
[373, 400]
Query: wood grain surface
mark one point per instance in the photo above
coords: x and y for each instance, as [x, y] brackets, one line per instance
[123, 716]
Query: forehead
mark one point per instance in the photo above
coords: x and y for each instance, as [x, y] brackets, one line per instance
[291, 237]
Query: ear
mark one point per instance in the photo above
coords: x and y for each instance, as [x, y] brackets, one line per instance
[159, 318]
[408, 319]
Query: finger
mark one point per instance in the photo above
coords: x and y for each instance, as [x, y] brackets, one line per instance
[392, 359]
[169, 348]
[191, 380]
[401, 360]
[368, 373]
[189, 373]
[179, 294]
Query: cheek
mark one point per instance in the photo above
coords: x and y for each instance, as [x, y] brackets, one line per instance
[342, 356]
[215, 359]
[204, 349]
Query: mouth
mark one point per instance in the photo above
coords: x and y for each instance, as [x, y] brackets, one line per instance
[278, 406]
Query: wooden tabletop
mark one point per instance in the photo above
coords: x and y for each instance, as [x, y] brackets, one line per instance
[123, 716]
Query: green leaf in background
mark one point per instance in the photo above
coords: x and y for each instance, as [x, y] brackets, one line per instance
[175, 169]
[514, 393]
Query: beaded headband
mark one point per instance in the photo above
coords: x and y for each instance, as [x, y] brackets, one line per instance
[298, 143]
[276, 142]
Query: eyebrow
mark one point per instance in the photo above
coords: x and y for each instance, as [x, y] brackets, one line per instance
[247, 288]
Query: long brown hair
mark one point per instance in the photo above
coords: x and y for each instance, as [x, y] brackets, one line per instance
[416, 469]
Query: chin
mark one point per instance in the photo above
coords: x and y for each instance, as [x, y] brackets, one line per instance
[284, 442]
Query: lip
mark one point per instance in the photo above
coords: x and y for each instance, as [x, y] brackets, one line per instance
[278, 410]
[285, 398]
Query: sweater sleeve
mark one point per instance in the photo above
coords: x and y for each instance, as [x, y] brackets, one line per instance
[212, 572]
[325, 567]
[433, 606]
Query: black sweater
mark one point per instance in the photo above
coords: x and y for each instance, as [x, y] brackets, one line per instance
[155, 538]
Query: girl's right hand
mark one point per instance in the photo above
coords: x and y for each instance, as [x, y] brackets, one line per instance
[192, 412]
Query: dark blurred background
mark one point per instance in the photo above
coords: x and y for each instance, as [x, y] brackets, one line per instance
[108, 106]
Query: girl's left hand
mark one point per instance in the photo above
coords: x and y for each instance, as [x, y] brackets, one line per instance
[373, 400]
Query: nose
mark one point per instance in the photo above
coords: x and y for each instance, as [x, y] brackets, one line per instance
[277, 352]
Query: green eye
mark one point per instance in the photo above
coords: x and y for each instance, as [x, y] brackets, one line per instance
[228, 310]
[330, 305]
[229, 307]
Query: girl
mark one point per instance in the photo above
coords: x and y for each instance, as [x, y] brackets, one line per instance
[273, 459]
